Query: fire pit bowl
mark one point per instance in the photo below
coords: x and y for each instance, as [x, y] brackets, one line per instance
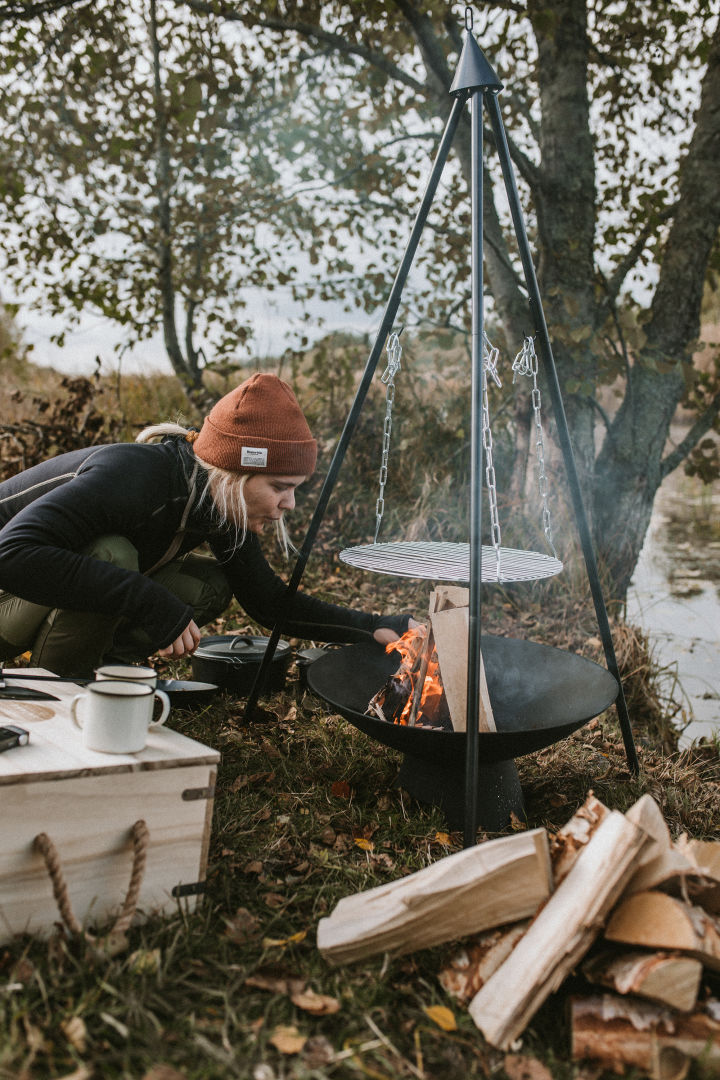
[539, 695]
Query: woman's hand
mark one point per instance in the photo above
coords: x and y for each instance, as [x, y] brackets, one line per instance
[184, 645]
[384, 636]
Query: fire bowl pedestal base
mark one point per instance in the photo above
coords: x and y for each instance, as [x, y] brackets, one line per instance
[539, 695]
[443, 785]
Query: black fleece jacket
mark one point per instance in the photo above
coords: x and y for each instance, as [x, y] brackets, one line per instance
[51, 512]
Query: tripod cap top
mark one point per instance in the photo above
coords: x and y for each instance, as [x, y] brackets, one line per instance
[473, 70]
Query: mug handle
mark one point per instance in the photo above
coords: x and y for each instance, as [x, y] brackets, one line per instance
[73, 710]
[165, 709]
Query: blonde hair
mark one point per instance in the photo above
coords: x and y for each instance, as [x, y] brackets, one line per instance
[225, 489]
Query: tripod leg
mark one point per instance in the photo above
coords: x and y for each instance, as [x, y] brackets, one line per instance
[540, 325]
[362, 391]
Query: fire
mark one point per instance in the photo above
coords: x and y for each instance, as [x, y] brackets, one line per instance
[414, 666]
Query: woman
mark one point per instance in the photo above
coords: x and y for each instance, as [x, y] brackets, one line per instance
[95, 545]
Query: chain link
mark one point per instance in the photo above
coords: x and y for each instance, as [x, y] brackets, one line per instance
[526, 363]
[489, 365]
[394, 351]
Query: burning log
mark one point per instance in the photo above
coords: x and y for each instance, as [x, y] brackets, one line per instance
[472, 890]
[391, 702]
[429, 689]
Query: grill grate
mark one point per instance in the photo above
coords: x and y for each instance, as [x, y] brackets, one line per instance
[450, 562]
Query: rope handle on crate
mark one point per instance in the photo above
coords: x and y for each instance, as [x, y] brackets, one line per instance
[140, 839]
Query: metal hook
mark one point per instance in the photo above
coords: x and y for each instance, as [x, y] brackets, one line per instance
[469, 18]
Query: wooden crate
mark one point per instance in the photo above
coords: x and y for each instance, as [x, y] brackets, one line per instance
[87, 803]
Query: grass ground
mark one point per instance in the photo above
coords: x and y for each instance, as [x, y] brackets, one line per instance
[306, 812]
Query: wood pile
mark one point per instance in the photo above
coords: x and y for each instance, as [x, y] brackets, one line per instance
[632, 912]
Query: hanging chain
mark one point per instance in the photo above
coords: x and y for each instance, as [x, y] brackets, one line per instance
[489, 366]
[526, 363]
[394, 351]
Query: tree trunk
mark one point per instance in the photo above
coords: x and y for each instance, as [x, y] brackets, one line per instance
[630, 465]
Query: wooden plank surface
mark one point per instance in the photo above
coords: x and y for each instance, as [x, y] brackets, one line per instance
[56, 750]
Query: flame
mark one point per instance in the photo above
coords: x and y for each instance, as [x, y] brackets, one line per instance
[410, 646]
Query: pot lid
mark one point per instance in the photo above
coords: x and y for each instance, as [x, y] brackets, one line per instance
[239, 648]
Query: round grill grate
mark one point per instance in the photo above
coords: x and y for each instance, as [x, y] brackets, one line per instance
[450, 562]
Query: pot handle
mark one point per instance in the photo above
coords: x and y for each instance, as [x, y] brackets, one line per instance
[239, 638]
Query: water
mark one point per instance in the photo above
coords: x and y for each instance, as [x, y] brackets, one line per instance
[675, 595]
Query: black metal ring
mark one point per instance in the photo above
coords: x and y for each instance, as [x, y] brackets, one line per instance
[468, 17]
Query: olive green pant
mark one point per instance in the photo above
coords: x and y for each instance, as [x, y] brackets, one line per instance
[76, 642]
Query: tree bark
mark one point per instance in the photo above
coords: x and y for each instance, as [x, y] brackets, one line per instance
[630, 465]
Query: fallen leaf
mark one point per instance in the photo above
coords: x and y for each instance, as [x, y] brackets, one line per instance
[274, 943]
[274, 900]
[366, 845]
[340, 789]
[287, 1039]
[442, 1016]
[164, 1072]
[144, 961]
[83, 1072]
[521, 1067]
[318, 1051]
[238, 783]
[290, 715]
[327, 836]
[315, 1004]
[75, 1032]
[443, 838]
[275, 982]
[516, 823]
[253, 867]
[382, 860]
[242, 927]
[270, 749]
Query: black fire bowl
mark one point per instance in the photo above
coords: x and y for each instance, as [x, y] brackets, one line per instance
[539, 695]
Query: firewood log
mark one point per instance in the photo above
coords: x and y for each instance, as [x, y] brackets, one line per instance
[659, 1042]
[568, 842]
[658, 921]
[487, 885]
[473, 964]
[668, 978]
[561, 934]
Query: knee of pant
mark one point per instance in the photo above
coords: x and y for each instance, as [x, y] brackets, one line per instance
[114, 549]
[215, 595]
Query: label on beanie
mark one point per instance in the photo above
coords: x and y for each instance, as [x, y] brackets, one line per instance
[254, 457]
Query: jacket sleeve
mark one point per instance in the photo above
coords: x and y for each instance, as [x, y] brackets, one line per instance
[41, 550]
[261, 593]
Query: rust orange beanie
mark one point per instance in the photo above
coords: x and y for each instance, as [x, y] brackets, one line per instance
[258, 428]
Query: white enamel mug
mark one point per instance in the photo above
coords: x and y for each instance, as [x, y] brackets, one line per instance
[127, 673]
[115, 716]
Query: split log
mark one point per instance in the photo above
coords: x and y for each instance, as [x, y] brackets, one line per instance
[561, 934]
[658, 921]
[658, 1042]
[566, 845]
[451, 629]
[667, 978]
[488, 885]
[705, 854]
[473, 964]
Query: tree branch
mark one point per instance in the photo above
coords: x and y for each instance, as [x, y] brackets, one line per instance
[312, 30]
[701, 427]
[22, 11]
[614, 283]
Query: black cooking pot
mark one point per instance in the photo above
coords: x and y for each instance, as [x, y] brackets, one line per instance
[231, 661]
